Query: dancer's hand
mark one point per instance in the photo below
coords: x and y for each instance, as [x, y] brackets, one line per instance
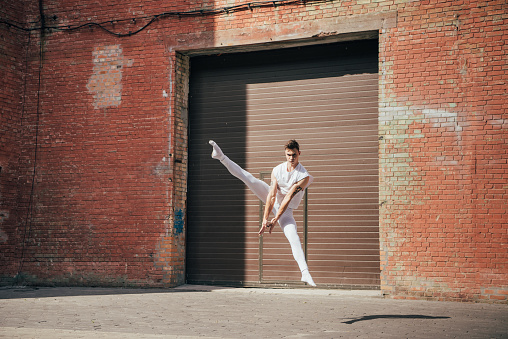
[267, 225]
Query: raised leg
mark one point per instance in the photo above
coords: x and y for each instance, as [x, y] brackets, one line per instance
[258, 187]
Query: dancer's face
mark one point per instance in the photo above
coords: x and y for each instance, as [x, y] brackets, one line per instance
[292, 156]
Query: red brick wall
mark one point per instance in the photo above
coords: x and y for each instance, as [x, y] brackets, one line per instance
[110, 142]
[443, 156]
[170, 256]
[12, 67]
[110, 193]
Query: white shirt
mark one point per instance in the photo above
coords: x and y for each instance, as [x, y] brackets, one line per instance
[286, 180]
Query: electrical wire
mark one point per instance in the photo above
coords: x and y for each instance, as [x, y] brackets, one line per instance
[30, 210]
[151, 19]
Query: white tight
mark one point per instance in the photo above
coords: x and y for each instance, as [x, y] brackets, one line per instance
[287, 221]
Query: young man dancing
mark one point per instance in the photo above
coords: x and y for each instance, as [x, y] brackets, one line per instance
[288, 183]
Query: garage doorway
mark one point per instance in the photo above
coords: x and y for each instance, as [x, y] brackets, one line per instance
[324, 96]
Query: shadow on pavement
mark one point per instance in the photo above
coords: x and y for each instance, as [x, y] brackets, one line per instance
[54, 292]
[394, 316]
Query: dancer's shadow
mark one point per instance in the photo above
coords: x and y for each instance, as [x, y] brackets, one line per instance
[393, 316]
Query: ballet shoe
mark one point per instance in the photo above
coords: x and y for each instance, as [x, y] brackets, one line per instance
[306, 278]
[217, 152]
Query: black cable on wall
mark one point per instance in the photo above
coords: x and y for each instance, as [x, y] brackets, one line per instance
[151, 19]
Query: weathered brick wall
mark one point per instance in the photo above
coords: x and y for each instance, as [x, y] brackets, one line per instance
[171, 248]
[443, 153]
[12, 67]
[110, 193]
[109, 144]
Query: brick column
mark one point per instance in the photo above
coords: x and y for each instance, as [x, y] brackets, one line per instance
[171, 248]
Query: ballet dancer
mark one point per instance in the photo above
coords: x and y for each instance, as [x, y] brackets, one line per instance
[288, 183]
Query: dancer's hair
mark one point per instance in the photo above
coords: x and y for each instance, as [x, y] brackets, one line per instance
[292, 144]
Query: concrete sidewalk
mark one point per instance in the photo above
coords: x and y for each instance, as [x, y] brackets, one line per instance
[210, 312]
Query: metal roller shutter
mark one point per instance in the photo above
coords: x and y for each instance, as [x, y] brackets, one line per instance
[326, 98]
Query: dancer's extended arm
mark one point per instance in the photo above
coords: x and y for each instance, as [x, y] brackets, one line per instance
[295, 189]
[270, 201]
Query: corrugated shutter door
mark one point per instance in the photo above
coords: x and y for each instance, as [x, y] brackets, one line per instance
[251, 104]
